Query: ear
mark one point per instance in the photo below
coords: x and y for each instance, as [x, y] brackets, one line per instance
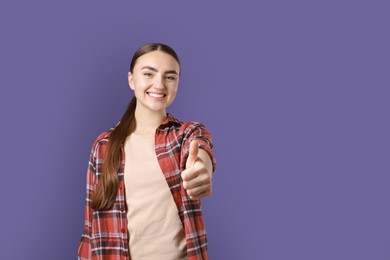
[131, 80]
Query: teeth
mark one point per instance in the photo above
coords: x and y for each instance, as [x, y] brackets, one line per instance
[156, 95]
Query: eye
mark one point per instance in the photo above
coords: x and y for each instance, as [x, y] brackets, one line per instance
[147, 74]
[170, 77]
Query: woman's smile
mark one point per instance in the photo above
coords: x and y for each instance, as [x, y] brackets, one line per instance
[156, 95]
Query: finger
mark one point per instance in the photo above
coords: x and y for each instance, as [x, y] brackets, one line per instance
[196, 170]
[192, 154]
[188, 174]
[201, 195]
[201, 179]
[198, 190]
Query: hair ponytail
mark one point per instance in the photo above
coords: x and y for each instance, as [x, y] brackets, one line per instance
[104, 196]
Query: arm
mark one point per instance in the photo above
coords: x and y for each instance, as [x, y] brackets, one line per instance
[84, 249]
[197, 177]
[199, 163]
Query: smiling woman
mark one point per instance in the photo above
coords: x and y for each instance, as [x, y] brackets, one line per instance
[147, 174]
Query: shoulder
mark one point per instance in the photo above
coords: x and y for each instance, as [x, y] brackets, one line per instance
[179, 131]
[101, 140]
[185, 126]
[103, 136]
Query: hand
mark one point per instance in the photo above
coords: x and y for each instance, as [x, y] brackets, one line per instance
[197, 175]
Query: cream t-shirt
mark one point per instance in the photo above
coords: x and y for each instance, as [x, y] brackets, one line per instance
[155, 229]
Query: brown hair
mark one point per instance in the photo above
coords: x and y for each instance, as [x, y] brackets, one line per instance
[104, 196]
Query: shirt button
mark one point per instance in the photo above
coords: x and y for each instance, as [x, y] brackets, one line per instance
[123, 230]
[120, 186]
[122, 209]
[122, 165]
[125, 253]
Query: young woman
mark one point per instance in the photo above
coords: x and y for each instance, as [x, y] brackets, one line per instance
[146, 175]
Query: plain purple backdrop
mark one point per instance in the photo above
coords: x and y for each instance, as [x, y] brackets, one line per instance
[295, 94]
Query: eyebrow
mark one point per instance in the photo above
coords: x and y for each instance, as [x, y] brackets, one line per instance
[156, 70]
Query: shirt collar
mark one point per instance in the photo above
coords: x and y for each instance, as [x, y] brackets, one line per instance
[170, 118]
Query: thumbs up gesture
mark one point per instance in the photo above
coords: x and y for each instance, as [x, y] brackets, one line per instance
[197, 175]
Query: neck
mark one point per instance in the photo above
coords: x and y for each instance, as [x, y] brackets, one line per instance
[147, 120]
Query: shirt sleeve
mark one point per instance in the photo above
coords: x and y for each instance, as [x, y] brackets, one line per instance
[199, 132]
[84, 248]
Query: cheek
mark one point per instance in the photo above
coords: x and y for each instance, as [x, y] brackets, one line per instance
[173, 96]
[140, 84]
[174, 89]
[173, 93]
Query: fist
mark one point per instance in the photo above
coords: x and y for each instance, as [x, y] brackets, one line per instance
[197, 175]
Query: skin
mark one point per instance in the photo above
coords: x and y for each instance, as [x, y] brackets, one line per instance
[157, 72]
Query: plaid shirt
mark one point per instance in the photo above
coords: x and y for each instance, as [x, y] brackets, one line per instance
[105, 235]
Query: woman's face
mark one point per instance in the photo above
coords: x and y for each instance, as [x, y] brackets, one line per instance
[155, 80]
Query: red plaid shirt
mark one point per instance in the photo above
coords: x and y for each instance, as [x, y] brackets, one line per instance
[105, 235]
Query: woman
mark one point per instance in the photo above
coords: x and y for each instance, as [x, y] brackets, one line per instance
[146, 175]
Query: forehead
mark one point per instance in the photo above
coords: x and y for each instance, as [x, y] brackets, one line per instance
[157, 59]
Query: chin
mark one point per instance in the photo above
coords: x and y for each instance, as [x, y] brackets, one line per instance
[157, 109]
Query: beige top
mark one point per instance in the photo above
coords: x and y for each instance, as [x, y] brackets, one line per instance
[156, 231]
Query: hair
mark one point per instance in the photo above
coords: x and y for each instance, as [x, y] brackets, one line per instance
[104, 196]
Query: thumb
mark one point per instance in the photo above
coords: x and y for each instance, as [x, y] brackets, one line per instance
[193, 153]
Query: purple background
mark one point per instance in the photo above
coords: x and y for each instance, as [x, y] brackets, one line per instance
[295, 94]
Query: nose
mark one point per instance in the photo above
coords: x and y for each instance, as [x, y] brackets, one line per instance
[159, 83]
